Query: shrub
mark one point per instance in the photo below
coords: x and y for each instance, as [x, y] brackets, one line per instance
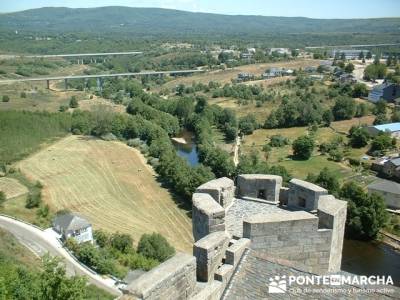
[43, 211]
[23, 95]
[63, 108]
[5, 98]
[33, 200]
[155, 246]
[134, 143]
[278, 141]
[102, 239]
[73, 102]
[2, 197]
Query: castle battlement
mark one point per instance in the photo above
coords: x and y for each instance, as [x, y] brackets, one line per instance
[300, 226]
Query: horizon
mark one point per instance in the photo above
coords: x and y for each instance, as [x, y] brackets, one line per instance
[286, 8]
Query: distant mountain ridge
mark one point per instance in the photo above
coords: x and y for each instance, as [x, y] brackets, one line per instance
[158, 21]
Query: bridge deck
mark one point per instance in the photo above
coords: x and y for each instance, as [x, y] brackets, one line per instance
[7, 81]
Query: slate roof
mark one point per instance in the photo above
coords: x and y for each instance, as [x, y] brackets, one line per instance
[382, 86]
[395, 161]
[240, 209]
[385, 186]
[71, 221]
[251, 278]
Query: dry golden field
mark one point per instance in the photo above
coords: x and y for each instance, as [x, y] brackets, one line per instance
[225, 76]
[12, 188]
[111, 185]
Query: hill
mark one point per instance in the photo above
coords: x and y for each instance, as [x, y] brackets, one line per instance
[111, 184]
[156, 21]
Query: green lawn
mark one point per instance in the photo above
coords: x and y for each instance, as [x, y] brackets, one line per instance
[301, 168]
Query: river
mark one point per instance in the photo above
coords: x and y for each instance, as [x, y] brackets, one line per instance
[187, 151]
[371, 258]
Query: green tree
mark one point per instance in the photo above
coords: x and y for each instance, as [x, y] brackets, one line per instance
[5, 98]
[327, 117]
[155, 246]
[366, 213]
[380, 107]
[382, 142]
[344, 108]
[303, 147]
[369, 55]
[375, 71]
[73, 102]
[248, 124]
[122, 242]
[359, 90]
[102, 238]
[55, 285]
[359, 137]
[349, 68]
[326, 179]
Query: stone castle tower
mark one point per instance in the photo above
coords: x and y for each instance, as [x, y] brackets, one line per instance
[258, 227]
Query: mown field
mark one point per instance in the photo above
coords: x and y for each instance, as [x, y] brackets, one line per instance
[111, 185]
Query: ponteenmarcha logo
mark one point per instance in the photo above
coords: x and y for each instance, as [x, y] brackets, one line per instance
[277, 285]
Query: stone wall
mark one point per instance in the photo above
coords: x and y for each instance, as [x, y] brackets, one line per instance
[209, 252]
[259, 186]
[222, 190]
[291, 236]
[304, 195]
[173, 279]
[332, 215]
[207, 216]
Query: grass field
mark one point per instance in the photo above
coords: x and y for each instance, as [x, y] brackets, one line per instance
[301, 168]
[111, 185]
[12, 188]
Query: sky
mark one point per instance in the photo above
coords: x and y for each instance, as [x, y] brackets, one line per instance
[323, 9]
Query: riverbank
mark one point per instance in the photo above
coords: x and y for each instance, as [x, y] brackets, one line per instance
[180, 140]
[390, 240]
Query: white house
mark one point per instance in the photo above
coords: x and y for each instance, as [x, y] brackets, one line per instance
[71, 225]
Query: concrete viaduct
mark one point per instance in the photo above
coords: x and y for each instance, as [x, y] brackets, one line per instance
[79, 56]
[99, 77]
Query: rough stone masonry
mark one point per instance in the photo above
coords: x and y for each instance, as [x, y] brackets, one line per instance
[300, 225]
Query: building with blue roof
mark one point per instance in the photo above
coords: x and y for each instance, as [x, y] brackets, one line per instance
[392, 128]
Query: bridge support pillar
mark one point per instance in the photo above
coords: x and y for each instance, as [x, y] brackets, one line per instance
[48, 84]
[66, 84]
[86, 85]
[100, 84]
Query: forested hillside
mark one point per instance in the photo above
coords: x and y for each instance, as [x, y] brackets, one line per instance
[150, 22]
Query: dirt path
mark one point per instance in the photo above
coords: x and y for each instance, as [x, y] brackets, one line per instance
[236, 151]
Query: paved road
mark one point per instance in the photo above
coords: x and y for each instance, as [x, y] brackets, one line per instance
[42, 242]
